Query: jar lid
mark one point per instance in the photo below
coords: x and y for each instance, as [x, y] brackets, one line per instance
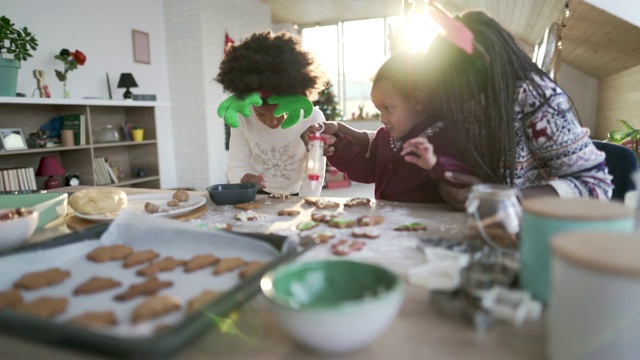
[493, 191]
[576, 209]
[610, 252]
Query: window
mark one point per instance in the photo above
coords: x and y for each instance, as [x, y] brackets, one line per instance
[350, 53]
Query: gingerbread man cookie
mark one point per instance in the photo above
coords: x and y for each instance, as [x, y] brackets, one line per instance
[357, 201]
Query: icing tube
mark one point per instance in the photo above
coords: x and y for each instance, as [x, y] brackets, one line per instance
[315, 158]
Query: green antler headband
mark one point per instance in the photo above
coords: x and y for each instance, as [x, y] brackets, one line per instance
[287, 104]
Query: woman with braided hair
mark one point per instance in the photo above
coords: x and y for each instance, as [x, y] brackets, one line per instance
[272, 79]
[511, 123]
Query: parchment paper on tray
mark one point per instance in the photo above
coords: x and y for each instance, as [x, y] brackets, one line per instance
[141, 231]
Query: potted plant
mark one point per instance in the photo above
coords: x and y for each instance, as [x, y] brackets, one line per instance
[15, 46]
[629, 137]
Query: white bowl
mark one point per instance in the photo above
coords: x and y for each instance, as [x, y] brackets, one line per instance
[15, 231]
[334, 306]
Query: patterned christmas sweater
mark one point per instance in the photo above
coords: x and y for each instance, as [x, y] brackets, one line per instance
[279, 154]
[553, 148]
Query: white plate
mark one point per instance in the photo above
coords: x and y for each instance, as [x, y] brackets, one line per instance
[136, 203]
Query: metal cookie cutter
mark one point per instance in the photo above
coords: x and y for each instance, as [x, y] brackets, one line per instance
[511, 305]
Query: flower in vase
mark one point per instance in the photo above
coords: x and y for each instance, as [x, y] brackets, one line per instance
[71, 62]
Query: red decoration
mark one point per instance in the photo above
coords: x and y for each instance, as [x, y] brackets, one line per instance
[228, 42]
[455, 31]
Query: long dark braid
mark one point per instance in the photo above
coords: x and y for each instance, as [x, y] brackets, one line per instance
[478, 97]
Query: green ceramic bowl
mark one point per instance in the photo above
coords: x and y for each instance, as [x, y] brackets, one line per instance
[334, 306]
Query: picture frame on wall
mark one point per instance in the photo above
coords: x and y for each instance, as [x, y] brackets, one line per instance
[12, 139]
[141, 49]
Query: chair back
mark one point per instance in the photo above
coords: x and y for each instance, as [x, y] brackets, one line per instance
[621, 163]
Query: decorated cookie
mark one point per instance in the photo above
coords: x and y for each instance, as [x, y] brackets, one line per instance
[321, 237]
[307, 225]
[345, 247]
[221, 226]
[357, 202]
[249, 215]
[367, 233]
[279, 196]
[370, 220]
[341, 222]
[326, 204]
[414, 226]
[311, 201]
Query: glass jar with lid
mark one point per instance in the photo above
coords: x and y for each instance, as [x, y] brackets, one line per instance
[493, 215]
[108, 134]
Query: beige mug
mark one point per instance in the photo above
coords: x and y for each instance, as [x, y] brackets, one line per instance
[66, 136]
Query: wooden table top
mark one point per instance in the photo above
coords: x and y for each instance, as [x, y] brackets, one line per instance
[419, 331]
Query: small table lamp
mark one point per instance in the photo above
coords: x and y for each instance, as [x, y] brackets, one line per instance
[127, 81]
[50, 166]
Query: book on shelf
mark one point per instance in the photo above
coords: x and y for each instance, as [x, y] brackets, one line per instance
[112, 174]
[17, 179]
[102, 174]
[75, 122]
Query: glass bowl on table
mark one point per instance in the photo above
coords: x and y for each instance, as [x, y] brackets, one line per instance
[16, 226]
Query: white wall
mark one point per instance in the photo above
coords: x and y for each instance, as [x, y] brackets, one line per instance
[102, 31]
[195, 29]
[583, 90]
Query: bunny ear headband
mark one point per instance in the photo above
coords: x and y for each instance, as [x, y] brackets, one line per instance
[456, 32]
[291, 105]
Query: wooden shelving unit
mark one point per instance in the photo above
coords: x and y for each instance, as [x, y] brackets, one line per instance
[29, 114]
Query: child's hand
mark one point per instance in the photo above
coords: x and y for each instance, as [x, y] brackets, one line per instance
[329, 132]
[254, 179]
[419, 151]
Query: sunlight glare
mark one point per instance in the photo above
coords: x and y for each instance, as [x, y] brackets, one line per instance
[419, 31]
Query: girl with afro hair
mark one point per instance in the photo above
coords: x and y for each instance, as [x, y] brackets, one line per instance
[272, 80]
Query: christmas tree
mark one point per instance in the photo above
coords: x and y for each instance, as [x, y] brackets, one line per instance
[327, 103]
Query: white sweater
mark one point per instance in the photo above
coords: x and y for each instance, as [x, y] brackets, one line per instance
[279, 154]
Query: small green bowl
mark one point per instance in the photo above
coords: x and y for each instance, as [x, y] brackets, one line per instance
[334, 306]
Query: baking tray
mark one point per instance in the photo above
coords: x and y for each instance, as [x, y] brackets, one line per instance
[160, 345]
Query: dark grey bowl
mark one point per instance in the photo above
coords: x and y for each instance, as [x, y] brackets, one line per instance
[230, 194]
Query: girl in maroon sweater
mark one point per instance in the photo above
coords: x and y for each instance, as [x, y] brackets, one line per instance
[406, 113]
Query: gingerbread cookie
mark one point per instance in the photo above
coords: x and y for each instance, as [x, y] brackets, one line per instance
[221, 226]
[148, 287]
[228, 264]
[10, 298]
[201, 300]
[173, 203]
[414, 226]
[288, 212]
[155, 307]
[108, 253]
[279, 196]
[367, 233]
[96, 284]
[251, 268]
[39, 279]
[311, 201]
[249, 205]
[94, 319]
[321, 237]
[140, 257]
[180, 195]
[44, 307]
[345, 247]
[341, 222]
[166, 264]
[326, 204]
[307, 225]
[249, 215]
[151, 208]
[357, 201]
[370, 220]
[200, 261]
